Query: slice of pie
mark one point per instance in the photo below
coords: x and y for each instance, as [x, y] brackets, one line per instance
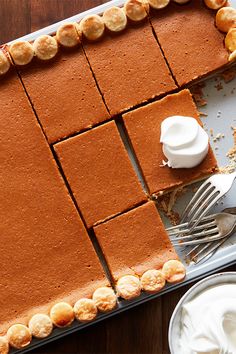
[192, 45]
[143, 126]
[100, 173]
[135, 242]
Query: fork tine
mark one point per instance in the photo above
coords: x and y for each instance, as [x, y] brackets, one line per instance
[201, 249]
[177, 232]
[176, 227]
[202, 255]
[204, 220]
[204, 196]
[197, 235]
[194, 198]
[192, 251]
[202, 226]
[201, 212]
[207, 239]
[210, 249]
[209, 231]
[207, 218]
[224, 183]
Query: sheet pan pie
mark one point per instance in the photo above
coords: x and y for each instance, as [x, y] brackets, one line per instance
[65, 185]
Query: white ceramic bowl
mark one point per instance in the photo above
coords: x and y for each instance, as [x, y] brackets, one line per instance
[174, 326]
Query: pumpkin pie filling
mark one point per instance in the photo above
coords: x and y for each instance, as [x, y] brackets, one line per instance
[46, 253]
[191, 43]
[129, 67]
[135, 242]
[64, 94]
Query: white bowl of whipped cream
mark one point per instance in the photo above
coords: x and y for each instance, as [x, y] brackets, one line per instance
[204, 320]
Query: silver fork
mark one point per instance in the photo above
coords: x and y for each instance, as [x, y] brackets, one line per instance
[199, 253]
[206, 197]
[211, 228]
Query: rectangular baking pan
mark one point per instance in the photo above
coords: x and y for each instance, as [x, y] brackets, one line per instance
[221, 116]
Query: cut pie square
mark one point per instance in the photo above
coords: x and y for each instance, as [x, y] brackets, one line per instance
[135, 242]
[100, 173]
[129, 68]
[64, 94]
[143, 126]
[46, 253]
[192, 45]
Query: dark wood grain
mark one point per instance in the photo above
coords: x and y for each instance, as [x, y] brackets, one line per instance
[15, 20]
[144, 329]
[45, 12]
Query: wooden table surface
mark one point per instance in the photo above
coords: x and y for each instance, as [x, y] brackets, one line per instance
[140, 330]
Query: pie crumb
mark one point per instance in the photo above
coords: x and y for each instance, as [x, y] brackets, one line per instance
[203, 114]
[228, 75]
[219, 86]
[218, 137]
[231, 154]
[198, 95]
[167, 202]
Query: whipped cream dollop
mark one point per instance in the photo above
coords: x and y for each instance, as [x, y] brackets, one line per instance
[185, 143]
[208, 323]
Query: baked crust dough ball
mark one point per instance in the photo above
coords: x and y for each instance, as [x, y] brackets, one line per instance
[68, 34]
[4, 345]
[92, 27]
[19, 336]
[22, 52]
[230, 40]
[40, 325]
[115, 19]
[226, 18]
[105, 299]
[85, 310]
[136, 10]
[62, 314]
[152, 281]
[173, 271]
[158, 4]
[4, 63]
[128, 287]
[45, 47]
